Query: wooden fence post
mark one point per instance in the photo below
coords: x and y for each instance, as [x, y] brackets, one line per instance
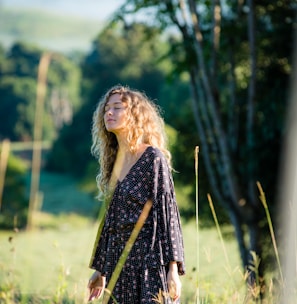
[37, 140]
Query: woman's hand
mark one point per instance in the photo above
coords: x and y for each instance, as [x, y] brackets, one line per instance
[173, 281]
[96, 285]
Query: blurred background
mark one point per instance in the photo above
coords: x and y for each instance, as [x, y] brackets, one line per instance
[221, 72]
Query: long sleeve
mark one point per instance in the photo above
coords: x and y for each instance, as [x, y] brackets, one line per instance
[169, 231]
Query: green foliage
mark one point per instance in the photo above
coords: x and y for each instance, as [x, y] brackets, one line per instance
[71, 150]
[18, 70]
[65, 76]
[17, 96]
[14, 202]
[113, 60]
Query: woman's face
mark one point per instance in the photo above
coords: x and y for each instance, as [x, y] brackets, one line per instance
[115, 118]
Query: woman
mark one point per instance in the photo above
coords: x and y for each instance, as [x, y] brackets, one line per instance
[130, 143]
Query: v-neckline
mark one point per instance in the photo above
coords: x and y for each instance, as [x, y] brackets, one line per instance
[128, 173]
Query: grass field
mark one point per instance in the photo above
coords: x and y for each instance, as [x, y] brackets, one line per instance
[51, 262]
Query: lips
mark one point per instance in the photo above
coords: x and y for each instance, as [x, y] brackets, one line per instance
[109, 122]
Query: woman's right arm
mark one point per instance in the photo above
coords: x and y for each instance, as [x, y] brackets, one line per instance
[96, 285]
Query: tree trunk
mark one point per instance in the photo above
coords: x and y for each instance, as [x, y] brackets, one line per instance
[250, 103]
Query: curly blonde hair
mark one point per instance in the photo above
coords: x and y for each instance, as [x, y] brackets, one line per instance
[145, 125]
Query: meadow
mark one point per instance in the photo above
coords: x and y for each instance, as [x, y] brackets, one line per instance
[50, 263]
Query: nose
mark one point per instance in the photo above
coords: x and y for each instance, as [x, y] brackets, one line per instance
[109, 112]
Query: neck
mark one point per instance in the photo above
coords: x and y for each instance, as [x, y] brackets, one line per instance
[123, 145]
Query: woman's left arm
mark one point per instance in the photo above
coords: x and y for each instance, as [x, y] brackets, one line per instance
[169, 223]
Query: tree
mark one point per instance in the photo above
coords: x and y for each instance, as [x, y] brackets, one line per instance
[17, 100]
[230, 62]
[18, 71]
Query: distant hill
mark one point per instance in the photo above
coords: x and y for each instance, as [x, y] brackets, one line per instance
[48, 30]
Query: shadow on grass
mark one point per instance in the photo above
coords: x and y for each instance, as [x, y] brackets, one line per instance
[62, 194]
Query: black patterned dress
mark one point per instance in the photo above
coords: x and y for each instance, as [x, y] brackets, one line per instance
[160, 241]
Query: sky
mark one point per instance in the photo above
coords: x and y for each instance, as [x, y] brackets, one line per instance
[91, 9]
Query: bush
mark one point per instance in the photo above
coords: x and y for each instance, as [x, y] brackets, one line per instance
[14, 202]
